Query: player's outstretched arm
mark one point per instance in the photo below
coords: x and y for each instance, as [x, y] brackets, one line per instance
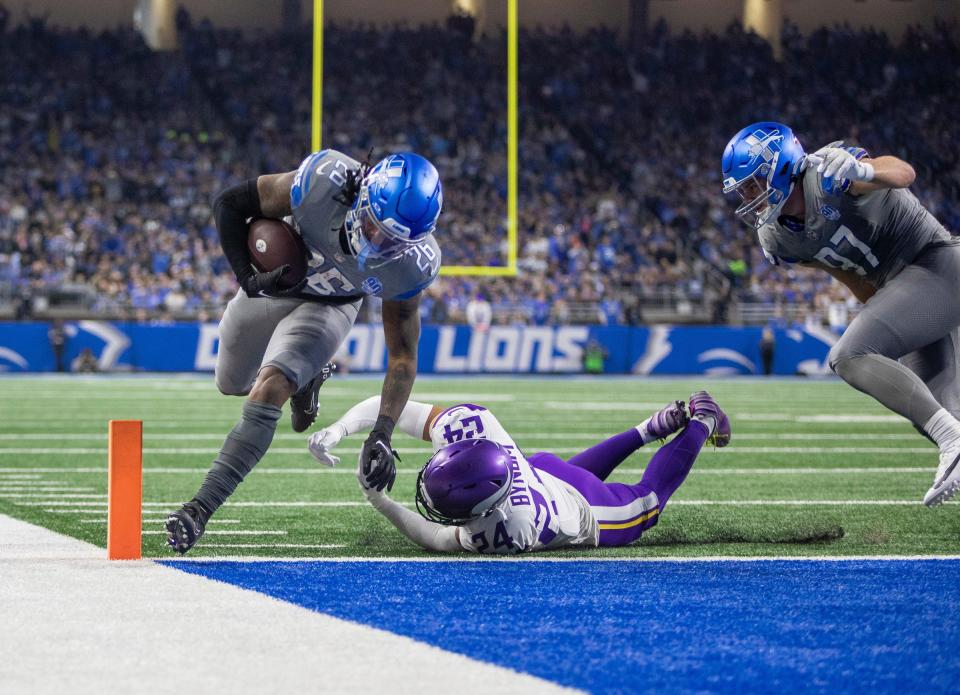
[428, 535]
[888, 172]
[414, 420]
[865, 174]
[401, 332]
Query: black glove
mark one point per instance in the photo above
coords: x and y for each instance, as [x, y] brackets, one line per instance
[377, 458]
[268, 284]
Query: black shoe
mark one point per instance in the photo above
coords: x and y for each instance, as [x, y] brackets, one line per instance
[185, 526]
[303, 404]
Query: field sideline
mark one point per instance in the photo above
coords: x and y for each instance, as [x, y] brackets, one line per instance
[815, 468]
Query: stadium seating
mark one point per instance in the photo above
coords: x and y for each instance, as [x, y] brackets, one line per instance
[104, 205]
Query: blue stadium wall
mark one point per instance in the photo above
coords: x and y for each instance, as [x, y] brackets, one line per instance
[719, 350]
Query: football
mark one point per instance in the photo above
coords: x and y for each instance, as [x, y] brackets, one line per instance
[273, 243]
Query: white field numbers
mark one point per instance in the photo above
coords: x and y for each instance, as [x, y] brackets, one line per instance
[833, 258]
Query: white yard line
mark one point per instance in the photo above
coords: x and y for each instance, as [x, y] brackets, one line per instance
[150, 526]
[303, 546]
[228, 532]
[51, 495]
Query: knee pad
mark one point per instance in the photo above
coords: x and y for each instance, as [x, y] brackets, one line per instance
[841, 354]
[228, 387]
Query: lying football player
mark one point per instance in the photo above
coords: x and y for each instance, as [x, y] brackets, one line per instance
[479, 492]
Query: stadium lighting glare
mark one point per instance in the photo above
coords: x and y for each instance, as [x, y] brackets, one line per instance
[510, 269]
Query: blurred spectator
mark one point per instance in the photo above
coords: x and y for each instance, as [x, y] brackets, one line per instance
[479, 313]
[768, 344]
[57, 336]
[594, 357]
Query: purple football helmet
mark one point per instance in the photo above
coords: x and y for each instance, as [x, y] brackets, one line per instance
[464, 481]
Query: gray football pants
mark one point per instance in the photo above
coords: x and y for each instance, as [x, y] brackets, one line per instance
[914, 318]
[295, 336]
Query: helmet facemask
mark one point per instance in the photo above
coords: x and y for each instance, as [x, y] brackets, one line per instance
[367, 236]
[774, 159]
[761, 201]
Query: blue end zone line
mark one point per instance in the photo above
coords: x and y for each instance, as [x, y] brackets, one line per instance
[536, 558]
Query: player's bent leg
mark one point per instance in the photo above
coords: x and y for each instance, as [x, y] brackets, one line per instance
[623, 512]
[938, 366]
[302, 346]
[601, 459]
[243, 448]
[894, 324]
[245, 331]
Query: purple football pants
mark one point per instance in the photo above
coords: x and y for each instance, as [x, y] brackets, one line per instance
[623, 512]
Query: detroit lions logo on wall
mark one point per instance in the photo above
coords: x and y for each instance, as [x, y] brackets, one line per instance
[372, 286]
[831, 213]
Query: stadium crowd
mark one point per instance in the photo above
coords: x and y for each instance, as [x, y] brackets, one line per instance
[111, 154]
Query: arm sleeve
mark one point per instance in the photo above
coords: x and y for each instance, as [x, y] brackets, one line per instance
[364, 415]
[426, 534]
[232, 208]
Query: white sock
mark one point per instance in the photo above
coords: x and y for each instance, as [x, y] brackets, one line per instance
[707, 421]
[943, 428]
[644, 429]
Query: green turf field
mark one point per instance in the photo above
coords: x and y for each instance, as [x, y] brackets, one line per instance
[814, 468]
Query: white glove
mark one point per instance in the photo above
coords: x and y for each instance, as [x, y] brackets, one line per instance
[836, 163]
[372, 494]
[322, 442]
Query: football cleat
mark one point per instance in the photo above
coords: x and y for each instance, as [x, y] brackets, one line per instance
[304, 403]
[669, 419]
[702, 403]
[946, 483]
[185, 526]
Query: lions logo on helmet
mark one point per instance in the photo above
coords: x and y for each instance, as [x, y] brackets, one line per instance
[761, 163]
[398, 204]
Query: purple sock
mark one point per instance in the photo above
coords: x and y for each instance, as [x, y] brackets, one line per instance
[602, 458]
[670, 465]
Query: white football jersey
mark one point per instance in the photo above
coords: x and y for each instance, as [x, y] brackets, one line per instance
[539, 513]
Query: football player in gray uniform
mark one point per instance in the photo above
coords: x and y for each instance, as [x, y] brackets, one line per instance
[851, 215]
[368, 231]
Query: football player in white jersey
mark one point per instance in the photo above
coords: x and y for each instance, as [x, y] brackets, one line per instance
[479, 492]
[368, 231]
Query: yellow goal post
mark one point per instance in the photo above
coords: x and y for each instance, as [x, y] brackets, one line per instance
[510, 269]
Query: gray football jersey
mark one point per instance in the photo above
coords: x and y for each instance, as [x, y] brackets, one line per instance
[875, 234]
[319, 209]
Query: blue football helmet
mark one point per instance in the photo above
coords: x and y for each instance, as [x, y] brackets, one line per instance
[397, 207]
[762, 163]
